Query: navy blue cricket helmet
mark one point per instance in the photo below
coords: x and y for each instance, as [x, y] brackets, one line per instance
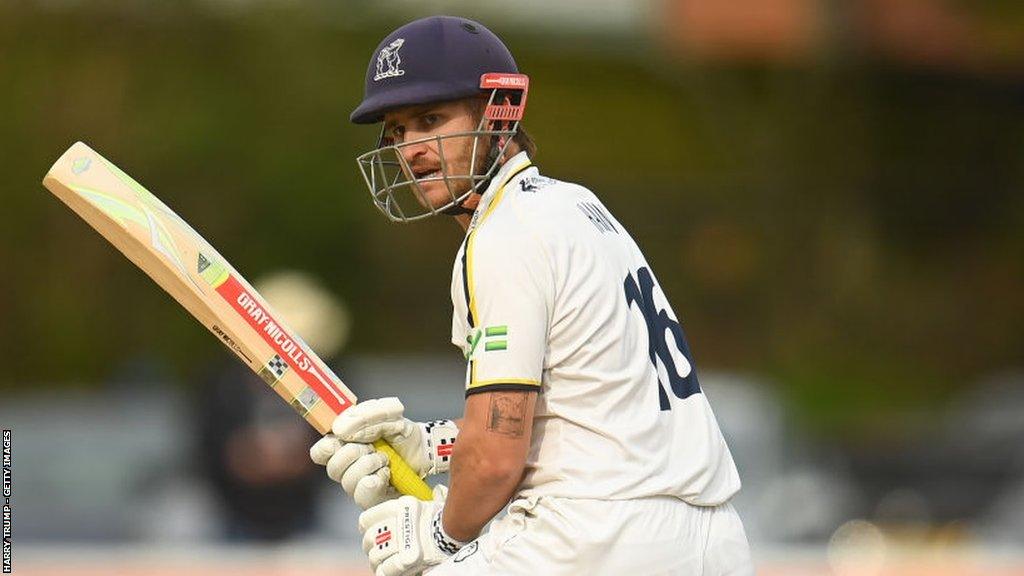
[434, 60]
[430, 60]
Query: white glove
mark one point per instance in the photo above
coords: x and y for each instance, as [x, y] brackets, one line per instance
[403, 537]
[362, 472]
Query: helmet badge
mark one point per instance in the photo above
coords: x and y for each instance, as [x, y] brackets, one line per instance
[388, 61]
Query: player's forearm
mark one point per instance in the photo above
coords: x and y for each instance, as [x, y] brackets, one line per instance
[488, 461]
[480, 486]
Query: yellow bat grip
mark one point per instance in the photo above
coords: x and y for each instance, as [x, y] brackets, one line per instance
[402, 476]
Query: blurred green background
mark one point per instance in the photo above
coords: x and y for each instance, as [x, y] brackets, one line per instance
[837, 210]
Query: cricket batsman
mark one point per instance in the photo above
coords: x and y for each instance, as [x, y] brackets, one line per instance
[583, 415]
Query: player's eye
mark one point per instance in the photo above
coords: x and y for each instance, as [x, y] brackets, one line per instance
[430, 119]
[397, 132]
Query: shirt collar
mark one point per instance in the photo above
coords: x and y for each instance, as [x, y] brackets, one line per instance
[513, 167]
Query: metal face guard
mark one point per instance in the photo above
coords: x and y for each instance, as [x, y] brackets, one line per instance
[399, 195]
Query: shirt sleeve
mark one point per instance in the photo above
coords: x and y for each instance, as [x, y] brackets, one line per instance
[509, 291]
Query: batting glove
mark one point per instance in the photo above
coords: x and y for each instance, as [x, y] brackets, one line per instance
[362, 471]
[403, 537]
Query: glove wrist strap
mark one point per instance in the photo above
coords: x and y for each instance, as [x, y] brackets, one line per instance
[440, 441]
[442, 540]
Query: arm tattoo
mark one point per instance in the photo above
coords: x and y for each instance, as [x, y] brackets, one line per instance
[508, 413]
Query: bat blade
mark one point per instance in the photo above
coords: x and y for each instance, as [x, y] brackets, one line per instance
[188, 268]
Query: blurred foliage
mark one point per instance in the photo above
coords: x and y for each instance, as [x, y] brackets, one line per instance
[848, 229]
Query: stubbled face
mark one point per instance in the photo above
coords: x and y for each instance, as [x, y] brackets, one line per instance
[424, 159]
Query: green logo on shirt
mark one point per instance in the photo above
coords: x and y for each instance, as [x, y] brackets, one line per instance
[473, 339]
[496, 339]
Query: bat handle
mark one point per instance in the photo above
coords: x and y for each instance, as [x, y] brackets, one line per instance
[402, 476]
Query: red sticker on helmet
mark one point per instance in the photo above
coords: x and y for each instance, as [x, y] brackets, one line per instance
[506, 111]
[497, 80]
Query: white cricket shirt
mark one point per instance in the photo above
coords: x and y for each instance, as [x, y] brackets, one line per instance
[551, 294]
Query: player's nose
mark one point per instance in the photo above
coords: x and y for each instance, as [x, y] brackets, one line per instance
[411, 152]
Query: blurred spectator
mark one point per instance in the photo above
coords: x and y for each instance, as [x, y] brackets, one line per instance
[253, 452]
[253, 446]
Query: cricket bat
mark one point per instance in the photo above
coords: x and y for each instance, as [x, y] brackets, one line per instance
[174, 255]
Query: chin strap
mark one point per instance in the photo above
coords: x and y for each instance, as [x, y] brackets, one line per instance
[458, 209]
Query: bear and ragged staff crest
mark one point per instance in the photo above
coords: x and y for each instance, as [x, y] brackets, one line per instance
[388, 61]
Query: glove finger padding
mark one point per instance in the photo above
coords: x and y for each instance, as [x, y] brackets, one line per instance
[372, 420]
[364, 467]
[321, 451]
[344, 458]
[397, 565]
[374, 489]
